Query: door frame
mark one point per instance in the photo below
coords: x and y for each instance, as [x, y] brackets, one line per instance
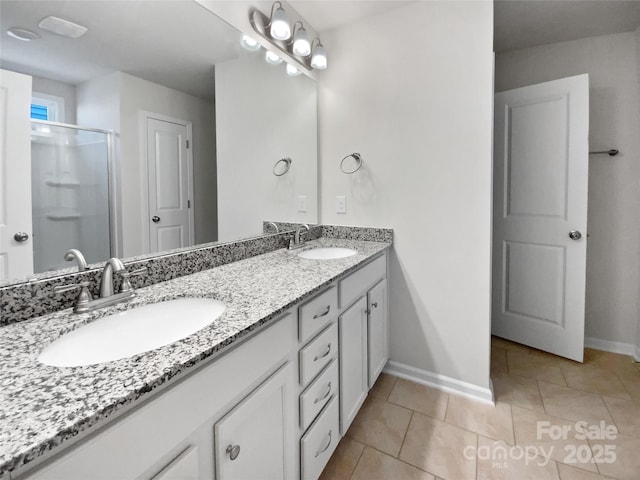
[144, 116]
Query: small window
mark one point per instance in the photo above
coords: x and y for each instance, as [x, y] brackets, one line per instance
[39, 112]
[47, 107]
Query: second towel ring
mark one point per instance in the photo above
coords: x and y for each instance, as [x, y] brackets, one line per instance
[357, 157]
[287, 165]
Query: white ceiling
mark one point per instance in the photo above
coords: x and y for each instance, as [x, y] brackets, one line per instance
[174, 43]
[518, 23]
[525, 23]
[177, 42]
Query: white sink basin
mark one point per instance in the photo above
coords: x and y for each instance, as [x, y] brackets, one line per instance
[134, 331]
[327, 253]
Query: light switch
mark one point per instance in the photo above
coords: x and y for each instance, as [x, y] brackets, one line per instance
[302, 203]
[341, 204]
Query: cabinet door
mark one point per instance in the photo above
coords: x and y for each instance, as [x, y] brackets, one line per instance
[353, 362]
[377, 330]
[256, 440]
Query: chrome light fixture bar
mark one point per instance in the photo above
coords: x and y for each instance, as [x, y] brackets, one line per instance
[297, 50]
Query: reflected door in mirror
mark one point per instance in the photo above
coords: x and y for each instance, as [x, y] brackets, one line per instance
[170, 216]
[16, 255]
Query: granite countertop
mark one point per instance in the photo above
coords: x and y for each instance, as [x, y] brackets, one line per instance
[42, 407]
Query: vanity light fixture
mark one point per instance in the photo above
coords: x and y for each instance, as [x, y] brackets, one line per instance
[22, 34]
[63, 27]
[299, 52]
[272, 58]
[279, 27]
[319, 56]
[292, 71]
[249, 43]
[301, 45]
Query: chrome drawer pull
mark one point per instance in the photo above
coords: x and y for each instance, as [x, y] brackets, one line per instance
[323, 314]
[328, 392]
[233, 451]
[327, 352]
[374, 304]
[325, 447]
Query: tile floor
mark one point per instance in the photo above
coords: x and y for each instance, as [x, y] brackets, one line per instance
[409, 431]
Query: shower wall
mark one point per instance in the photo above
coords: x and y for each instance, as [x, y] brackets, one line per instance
[70, 194]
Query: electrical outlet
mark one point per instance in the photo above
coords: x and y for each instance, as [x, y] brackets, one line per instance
[302, 203]
[341, 204]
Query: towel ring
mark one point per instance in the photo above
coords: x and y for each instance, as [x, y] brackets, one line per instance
[287, 161]
[357, 157]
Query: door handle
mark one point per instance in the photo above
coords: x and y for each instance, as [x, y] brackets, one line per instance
[575, 235]
[155, 219]
[21, 237]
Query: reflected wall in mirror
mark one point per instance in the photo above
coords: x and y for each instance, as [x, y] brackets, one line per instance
[144, 136]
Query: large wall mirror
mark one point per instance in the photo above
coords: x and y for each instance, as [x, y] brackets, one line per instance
[152, 130]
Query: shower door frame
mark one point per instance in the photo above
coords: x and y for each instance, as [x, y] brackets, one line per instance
[113, 203]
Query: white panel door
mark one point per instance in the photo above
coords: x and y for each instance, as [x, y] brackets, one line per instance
[16, 244]
[169, 180]
[540, 215]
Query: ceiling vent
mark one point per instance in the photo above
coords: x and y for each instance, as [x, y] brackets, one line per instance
[62, 27]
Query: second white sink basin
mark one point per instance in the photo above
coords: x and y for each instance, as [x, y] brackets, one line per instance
[131, 332]
[327, 253]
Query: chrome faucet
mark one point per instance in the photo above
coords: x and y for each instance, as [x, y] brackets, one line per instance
[85, 302]
[275, 227]
[112, 266]
[296, 241]
[75, 254]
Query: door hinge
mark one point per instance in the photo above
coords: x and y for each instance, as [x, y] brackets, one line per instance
[188, 203]
[187, 143]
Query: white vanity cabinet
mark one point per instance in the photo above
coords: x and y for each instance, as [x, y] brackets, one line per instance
[246, 396]
[273, 407]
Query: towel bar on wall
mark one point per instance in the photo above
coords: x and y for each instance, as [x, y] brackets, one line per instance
[612, 153]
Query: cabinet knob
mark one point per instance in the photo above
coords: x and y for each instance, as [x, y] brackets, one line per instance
[233, 451]
[374, 304]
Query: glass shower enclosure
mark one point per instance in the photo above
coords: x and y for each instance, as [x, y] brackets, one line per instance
[70, 168]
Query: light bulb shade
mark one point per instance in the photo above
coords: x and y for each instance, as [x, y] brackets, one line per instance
[249, 43]
[292, 71]
[319, 58]
[301, 44]
[280, 29]
[272, 58]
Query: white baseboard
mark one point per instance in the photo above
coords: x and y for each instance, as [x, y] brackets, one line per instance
[613, 347]
[441, 382]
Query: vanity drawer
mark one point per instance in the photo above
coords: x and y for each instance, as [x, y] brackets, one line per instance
[317, 313]
[318, 394]
[317, 445]
[359, 281]
[318, 354]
